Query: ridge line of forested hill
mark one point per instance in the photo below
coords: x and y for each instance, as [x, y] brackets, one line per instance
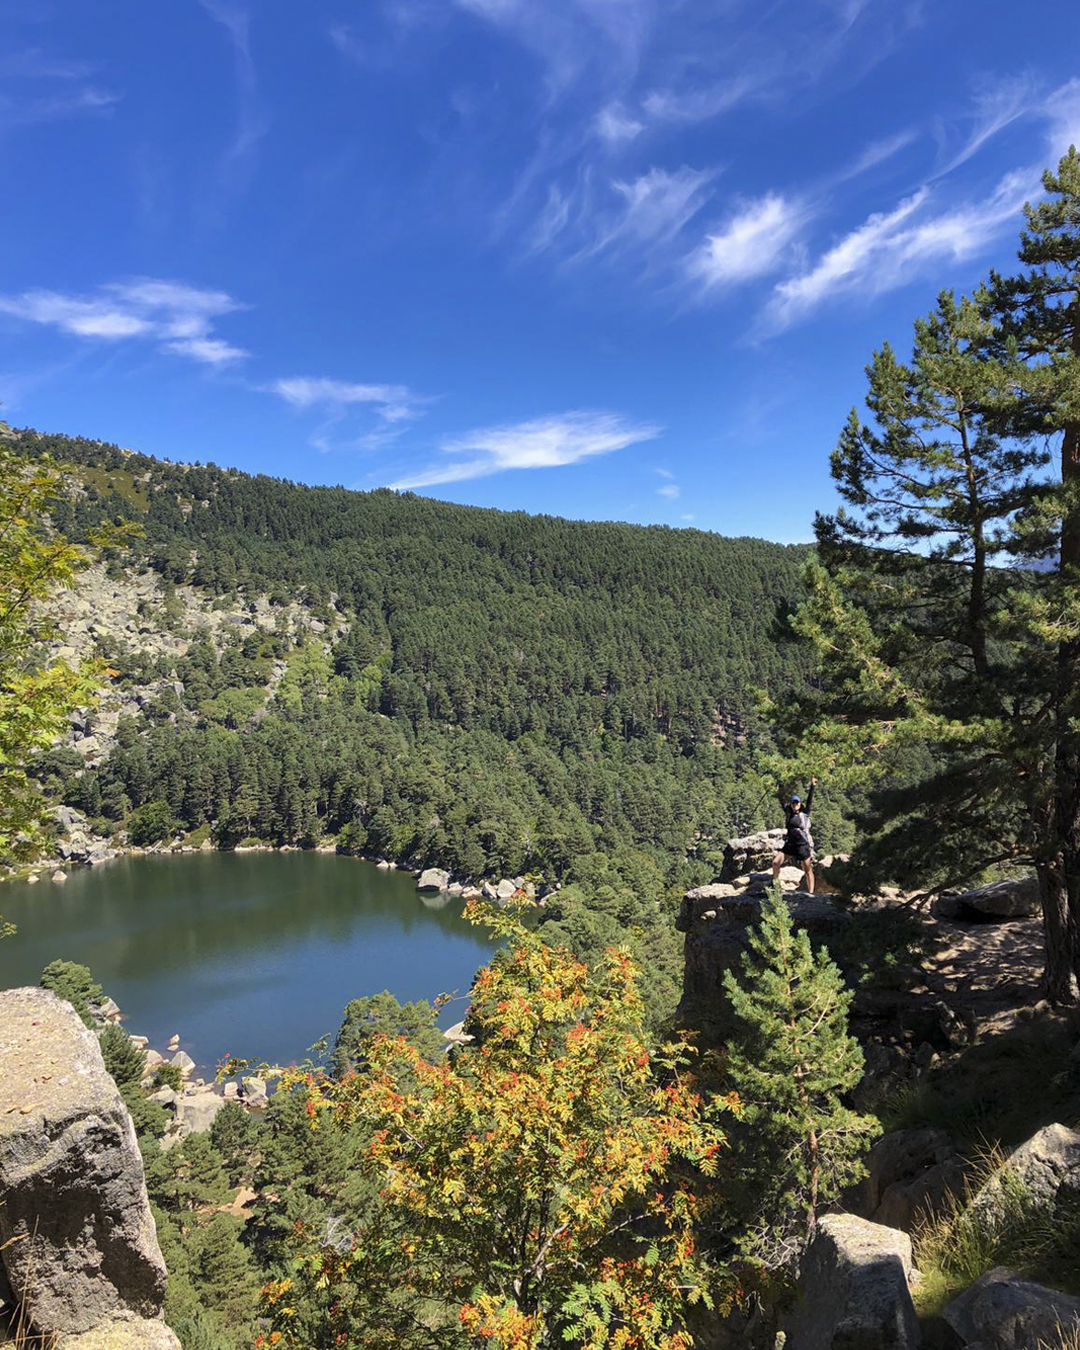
[503, 693]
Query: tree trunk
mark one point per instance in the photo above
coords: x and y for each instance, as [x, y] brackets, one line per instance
[1057, 983]
[1067, 759]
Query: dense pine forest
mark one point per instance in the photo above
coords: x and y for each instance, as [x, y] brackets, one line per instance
[496, 693]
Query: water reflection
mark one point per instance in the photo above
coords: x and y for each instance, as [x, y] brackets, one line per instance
[253, 953]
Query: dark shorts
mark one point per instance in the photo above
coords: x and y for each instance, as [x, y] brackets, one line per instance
[799, 853]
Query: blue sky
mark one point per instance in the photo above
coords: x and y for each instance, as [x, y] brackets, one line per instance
[602, 258]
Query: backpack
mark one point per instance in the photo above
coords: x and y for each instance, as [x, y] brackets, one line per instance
[802, 831]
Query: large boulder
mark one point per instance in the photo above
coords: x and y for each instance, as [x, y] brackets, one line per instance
[77, 1236]
[433, 879]
[1003, 1312]
[195, 1114]
[750, 853]
[140, 1333]
[1012, 899]
[255, 1097]
[717, 921]
[909, 1173]
[853, 1289]
[1048, 1166]
[183, 1061]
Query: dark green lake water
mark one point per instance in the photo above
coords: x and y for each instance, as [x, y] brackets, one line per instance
[254, 954]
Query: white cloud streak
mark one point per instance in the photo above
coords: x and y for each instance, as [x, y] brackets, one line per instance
[669, 490]
[179, 318]
[699, 105]
[1062, 109]
[617, 127]
[394, 402]
[565, 34]
[891, 248]
[546, 442]
[638, 214]
[337, 401]
[752, 243]
[52, 89]
[251, 123]
[996, 106]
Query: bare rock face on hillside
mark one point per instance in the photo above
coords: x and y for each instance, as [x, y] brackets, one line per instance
[853, 1289]
[78, 1238]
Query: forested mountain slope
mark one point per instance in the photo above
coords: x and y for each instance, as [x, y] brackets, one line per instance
[492, 691]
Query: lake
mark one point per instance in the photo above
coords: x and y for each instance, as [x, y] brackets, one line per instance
[255, 954]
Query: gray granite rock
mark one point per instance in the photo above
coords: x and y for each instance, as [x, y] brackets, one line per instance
[853, 1289]
[1003, 1312]
[80, 1246]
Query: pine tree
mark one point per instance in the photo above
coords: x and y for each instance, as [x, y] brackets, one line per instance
[234, 1133]
[196, 1176]
[939, 686]
[932, 486]
[225, 1276]
[793, 1060]
[382, 1014]
[1038, 312]
[74, 982]
[123, 1059]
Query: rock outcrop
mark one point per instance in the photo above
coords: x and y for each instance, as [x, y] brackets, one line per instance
[717, 921]
[751, 853]
[909, 1173]
[433, 879]
[1011, 899]
[853, 1289]
[79, 1245]
[1003, 1312]
[195, 1113]
[1047, 1165]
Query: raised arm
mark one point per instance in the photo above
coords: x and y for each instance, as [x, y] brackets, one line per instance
[810, 796]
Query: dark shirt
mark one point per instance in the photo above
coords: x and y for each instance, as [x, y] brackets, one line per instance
[796, 819]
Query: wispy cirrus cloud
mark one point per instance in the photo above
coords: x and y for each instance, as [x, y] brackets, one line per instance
[996, 105]
[616, 126]
[178, 318]
[543, 443]
[565, 33]
[702, 104]
[611, 216]
[893, 247]
[1062, 111]
[238, 160]
[394, 402]
[336, 401]
[49, 88]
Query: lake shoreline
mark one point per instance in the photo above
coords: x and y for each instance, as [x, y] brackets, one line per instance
[244, 951]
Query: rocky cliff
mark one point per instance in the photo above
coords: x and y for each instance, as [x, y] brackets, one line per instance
[77, 1238]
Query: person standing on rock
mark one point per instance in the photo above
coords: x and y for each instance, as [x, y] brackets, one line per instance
[798, 846]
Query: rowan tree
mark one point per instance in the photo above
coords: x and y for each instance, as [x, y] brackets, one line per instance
[531, 1190]
[36, 695]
